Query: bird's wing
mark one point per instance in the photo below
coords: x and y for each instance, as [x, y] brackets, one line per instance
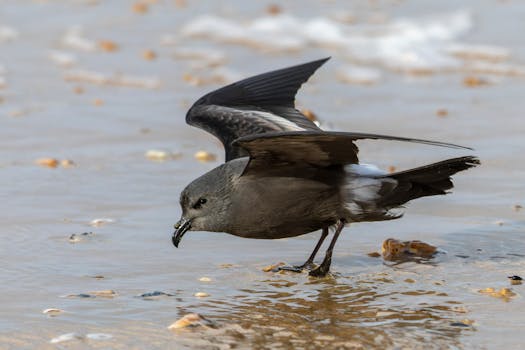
[263, 103]
[301, 149]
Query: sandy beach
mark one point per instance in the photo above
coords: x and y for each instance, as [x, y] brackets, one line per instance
[94, 152]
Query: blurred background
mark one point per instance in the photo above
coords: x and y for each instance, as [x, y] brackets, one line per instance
[94, 151]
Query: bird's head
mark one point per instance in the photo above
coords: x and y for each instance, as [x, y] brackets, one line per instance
[204, 203]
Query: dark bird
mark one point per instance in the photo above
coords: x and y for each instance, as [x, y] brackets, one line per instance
[284, 176]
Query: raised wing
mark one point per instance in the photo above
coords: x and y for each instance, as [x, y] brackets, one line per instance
[260, 104]
[303, 149]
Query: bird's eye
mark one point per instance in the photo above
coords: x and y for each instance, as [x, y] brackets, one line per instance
[199, 203]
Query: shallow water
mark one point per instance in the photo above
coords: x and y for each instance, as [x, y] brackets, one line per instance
[368, 302]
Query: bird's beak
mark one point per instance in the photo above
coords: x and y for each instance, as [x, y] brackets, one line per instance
[180, 229]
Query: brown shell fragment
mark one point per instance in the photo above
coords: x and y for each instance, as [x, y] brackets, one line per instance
[393, 249]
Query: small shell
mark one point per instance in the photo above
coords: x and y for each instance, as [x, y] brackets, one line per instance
[149, 55]
[204, 156]
[205, 279]
[158, 155]
[472, 81]
[67, 163]
[274, 9]
[140, 7]
[442, 112]
[66, 337]
[273, 267]
[201, 295]
[99, 336]
[101, 221]
[503, 293]
[191, 320]
[107, 45]
[78, 90]
[98, 102]
[374, 255]
[48, 162]
[52, 312]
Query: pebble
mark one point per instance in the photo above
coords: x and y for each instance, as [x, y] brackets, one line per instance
[204, 156]
[154, 295]
[191, 320]
[515, 280]
[52, 312]
[80, 295]
[94, 294]
[201, 295]
[79, 237]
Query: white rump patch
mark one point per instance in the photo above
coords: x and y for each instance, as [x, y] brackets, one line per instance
[361, 189]
[364, 170]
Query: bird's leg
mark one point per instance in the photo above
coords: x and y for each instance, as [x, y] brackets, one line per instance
[323, 269]
[310, 260]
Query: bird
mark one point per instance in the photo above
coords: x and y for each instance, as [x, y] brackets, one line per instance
[284, 176]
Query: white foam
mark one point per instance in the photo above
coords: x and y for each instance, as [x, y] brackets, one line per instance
[424, 44]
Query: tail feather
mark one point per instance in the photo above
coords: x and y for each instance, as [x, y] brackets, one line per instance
[428, 180]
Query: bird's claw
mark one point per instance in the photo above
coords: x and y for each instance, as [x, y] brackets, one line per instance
[297, 269]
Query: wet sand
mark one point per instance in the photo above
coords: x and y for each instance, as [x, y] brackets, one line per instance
[130, 102]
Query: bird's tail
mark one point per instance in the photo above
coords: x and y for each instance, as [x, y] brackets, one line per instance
[428, 180]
